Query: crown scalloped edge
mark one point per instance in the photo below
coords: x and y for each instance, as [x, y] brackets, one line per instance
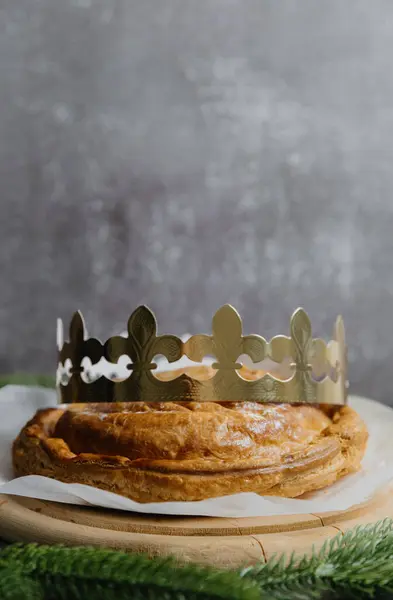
[122, 368]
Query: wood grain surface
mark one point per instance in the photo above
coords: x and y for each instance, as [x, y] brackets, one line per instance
[221, 542]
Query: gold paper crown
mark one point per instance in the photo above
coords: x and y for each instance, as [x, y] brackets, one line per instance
[317, 371]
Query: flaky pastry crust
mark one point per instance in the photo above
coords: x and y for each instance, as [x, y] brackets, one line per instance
[192, 451]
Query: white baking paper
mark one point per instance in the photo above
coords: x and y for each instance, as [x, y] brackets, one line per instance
[18, 404]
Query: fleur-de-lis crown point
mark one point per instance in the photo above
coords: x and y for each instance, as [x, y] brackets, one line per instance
[227, 344]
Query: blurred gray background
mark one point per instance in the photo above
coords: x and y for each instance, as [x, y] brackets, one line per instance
[188, 153]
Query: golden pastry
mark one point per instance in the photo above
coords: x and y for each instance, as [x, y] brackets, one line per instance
[192, 451]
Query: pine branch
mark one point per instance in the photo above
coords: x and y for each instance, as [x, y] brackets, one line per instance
[15, 586]
[359, 562]
[82, 573]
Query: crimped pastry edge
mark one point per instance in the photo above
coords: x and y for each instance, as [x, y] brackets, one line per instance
[34, 452]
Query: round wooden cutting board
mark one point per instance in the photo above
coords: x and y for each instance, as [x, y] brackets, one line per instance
[221, 542]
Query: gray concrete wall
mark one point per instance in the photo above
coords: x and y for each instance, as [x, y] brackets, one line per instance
[187, 153]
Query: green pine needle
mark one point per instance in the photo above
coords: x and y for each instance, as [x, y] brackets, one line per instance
[82, 573]
[358, 562]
